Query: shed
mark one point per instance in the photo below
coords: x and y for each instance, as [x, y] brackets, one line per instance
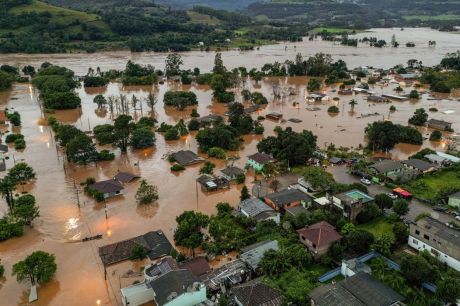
[109, 188]
[186, 157]
[125, 177]
[231, 173]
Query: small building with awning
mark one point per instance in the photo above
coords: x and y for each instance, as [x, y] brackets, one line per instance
[402, 193]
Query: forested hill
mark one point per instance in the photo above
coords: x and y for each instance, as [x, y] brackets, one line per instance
[34, 26]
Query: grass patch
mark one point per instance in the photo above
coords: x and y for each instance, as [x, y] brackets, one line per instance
[202, 18]
[335, 30]
[428, 186]
[377, 227]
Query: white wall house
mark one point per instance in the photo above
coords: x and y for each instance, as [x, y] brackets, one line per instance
[420, 245]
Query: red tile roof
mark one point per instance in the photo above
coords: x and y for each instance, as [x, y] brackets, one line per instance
[322, 234]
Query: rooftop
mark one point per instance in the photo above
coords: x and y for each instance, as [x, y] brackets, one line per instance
[107, 186]
[172, 284]
[253, 254]
[354, 196]
[441, 230]
[360, 289]
[387, 166]
[155, 242]
[232, 171]
[256, 293]
[198, 265]
[288, 196]
[419, 164]
[254, 207]
[160, 268]
[125, 177]
[186, 157]
[296, 210]
[439, 122]
[435, 158]
[322, 234]
[261, 158]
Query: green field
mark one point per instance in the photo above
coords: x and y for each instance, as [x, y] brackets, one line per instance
[445, 17]
[427, 187]
[377, 227]
[202, 18]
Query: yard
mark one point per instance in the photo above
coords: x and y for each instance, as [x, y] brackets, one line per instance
[429, 186]
[377, 227]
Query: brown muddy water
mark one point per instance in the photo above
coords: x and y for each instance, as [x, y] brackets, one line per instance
[80, 277]
[354, 57]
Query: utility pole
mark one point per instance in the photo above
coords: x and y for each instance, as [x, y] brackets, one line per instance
[76, 193]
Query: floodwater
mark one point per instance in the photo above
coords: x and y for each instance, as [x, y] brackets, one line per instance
[354, 57]
[80, 275]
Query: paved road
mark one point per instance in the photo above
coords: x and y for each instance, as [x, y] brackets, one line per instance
[416, 207]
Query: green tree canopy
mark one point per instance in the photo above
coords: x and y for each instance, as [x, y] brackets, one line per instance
[38, 267]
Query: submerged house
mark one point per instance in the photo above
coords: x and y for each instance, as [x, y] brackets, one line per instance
[108, 188]
[258, 161]
[125, 177]
[167, 285]
[439, 125]
[186, 158]
[231, 173]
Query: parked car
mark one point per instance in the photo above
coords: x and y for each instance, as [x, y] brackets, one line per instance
[365, 181]
[440, 208]
[392, 196]
[457, 218]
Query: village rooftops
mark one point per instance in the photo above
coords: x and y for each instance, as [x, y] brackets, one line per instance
[321, 234]
[108, 186]
[254, 207]
[160, 268]
[419, 164]
[155, 243]
[255, 293]
[386, 166]
[288, 196]
[261, 158]
[186, 158]
[173, 284]
[125, 177]
[252, 254]
[198, 265]
[360, 289]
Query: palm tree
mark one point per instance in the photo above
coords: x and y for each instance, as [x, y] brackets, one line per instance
[151, 101]
[352, 104]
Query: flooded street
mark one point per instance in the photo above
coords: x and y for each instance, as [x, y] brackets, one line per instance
[80, 274]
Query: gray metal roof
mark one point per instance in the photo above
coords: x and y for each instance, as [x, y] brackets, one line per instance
[232, 171]
[186, 157]
[387, 166]
[288, 196]
[252, 254]
[254, 207]
[107, 186]
[173, 284]
[441, 230]
[419, 164]
[360, 289]
[256, 293]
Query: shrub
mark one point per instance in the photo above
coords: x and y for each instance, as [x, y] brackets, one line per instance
[333, 109]
[19, 144]
[259, 129]
[10, 138]
[180, 99]
[217, 153]
[240, 178]
[172, 134]
[105, 155]
[15, 118]
[193, 125]
[177, 167]
[435, 136]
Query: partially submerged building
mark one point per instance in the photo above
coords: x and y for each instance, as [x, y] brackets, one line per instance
[439, 124]
[125, 177]
[441, 241]
[186, 157]
[109, 188]
[258, 161]
[212, 183]
[231, 173]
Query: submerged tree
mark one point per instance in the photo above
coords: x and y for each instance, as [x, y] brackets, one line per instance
[189, 229]
[146, 193]
[38, 267]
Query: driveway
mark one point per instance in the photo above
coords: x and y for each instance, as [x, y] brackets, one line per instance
[416, 207]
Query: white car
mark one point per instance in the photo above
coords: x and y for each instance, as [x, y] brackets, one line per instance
[365, 181]
[392, 196]
[457, 218]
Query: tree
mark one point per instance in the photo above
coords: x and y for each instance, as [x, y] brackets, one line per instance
[435, 136]
[274, 262]
[15, 118]
[417, 269]
[318, 178]
[401, 207]
[138, 252]
[448, 290]
[100, 100]
[38, 267]
[172, 65]
[333, 109]
[384, 135]
[146, 193]
[314, 84]
[274, 185]
[25, 209]
[193, 125]
[142, 137]
[401, 232]
[383, 201]
[244, 193]
[419, 118]
[383, 244]
[219, 67]
[414, 94]
[371, 212]
[28, 70]
[7, 187]
[21, 173]
[352, 104]
[123, 127]
[207, 168]
[81, 149]
[151, 101]
[348, 228]
[359, 241]
[189, 229]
